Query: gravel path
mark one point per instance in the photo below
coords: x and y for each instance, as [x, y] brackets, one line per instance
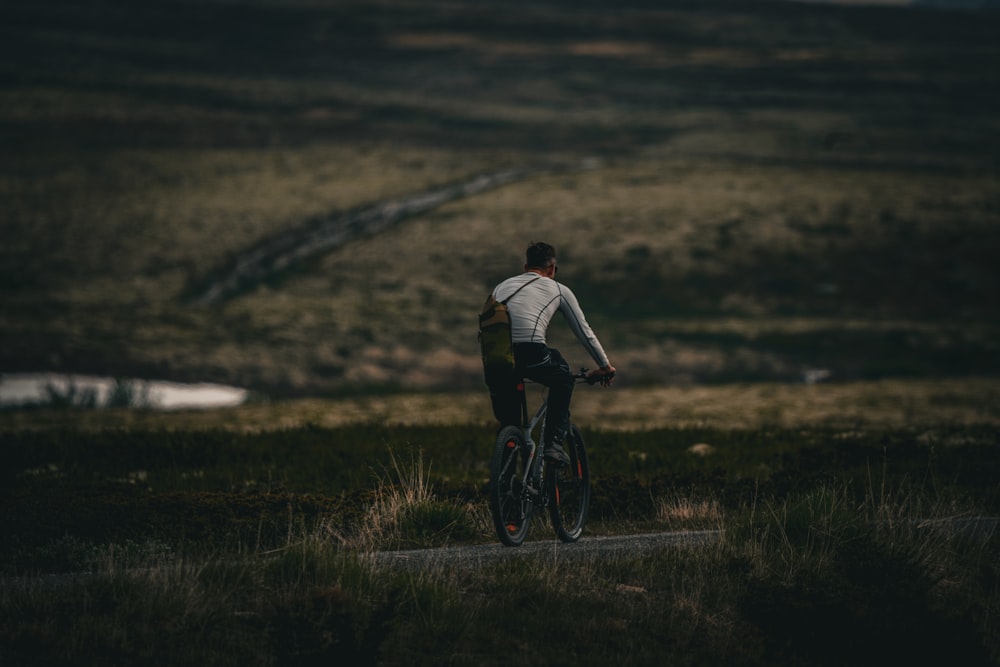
[976, 528]
[451, 557]
[587, 547]
[970, 528]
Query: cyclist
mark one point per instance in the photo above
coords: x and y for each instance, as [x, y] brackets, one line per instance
[538, 297]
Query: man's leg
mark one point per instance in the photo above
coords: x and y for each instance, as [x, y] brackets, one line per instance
[504, 397]
[554, 373]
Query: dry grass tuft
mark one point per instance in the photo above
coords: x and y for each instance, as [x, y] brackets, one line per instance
[405, 512]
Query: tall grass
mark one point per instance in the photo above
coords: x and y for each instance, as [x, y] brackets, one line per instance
[405, 511]
[830, 575]
[867, 580]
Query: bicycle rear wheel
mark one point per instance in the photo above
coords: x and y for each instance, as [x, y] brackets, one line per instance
[568, 489]
[509, 503]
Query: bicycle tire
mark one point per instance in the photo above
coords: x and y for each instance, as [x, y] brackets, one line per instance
[509, 504]
[568, 489]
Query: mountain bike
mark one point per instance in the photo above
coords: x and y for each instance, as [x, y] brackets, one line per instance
[521, 480]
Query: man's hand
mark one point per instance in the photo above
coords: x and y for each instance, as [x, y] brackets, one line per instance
[606, 375]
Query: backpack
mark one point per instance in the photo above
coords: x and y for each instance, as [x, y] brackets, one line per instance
[495, 337]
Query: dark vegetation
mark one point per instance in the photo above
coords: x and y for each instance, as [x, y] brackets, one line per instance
[830, 553]
[226, 490]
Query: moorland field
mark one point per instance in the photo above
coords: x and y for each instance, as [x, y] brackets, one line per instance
[773, 186]
[744, 195]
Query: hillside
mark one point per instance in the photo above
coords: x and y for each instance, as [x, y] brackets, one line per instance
[769, 187]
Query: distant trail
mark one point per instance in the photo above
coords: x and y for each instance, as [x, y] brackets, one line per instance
[324, 234]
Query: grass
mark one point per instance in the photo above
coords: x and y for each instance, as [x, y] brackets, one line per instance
[840, 544]
[829, 164]
[780, 188]
[405, 512]
[178, 546]
[916, 403]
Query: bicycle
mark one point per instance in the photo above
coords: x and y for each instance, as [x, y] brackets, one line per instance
[521, 480]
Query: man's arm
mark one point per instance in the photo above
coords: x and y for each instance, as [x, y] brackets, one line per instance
[570, 308]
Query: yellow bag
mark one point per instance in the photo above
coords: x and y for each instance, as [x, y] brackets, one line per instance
[495, 337]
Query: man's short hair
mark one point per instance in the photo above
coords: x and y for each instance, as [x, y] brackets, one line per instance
[539, 255]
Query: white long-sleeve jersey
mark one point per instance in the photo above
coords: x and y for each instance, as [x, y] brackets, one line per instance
[531, 310]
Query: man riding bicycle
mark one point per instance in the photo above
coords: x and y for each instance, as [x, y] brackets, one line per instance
[534, 297]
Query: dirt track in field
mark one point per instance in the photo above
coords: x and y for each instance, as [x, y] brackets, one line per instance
[325, 234]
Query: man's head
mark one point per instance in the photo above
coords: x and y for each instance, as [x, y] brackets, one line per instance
[540, 257]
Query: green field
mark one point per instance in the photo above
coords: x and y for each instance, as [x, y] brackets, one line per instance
[741, 192]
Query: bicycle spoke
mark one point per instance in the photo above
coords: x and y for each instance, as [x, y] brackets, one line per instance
[509, 504]
[569, 490]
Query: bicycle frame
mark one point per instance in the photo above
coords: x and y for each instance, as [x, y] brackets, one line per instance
[533, 474]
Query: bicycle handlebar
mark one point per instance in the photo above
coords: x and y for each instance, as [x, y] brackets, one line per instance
[594, 379]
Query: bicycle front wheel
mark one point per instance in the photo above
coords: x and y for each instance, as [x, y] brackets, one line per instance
[568, 489]
[509, 502]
